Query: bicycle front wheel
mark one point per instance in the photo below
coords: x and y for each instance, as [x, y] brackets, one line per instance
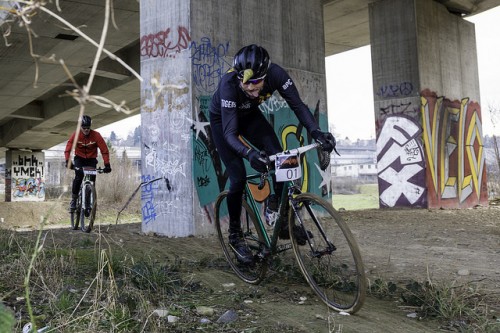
[88, 207]
[330, 260]
[250, 273]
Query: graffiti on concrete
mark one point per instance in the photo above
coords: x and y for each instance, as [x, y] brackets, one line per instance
[401, 166]
[208, 64]
[209, 172]
[398, 90]
[452, 135]
[166, 43]
[167, 105]
[27, 176]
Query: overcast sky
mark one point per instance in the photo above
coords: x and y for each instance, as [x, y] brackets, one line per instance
[350, 89]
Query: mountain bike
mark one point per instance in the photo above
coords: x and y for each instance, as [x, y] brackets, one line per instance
[329, 260]
[86, 203]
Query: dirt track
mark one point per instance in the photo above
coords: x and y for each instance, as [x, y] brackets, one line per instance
[397, 245]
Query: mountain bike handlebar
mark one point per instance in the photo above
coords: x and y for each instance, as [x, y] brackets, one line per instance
[99, 169]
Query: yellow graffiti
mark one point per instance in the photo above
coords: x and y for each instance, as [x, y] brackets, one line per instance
[440, 143]
[430, 135]
[476, 162]
[292, 130]
[448, 145]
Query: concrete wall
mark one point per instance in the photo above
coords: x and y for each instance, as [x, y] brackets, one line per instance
[185, 48]
[428, 116]
[166, 97]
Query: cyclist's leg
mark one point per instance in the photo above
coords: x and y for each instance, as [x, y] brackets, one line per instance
[260, 133]
[77, 182]
[237, 178]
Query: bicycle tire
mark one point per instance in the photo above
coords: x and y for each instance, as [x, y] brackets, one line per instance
[93, 211]
[337, 276]
[88, 188]
[253, 273]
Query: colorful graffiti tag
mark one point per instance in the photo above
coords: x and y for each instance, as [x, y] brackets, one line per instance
[27, 172]
[209, 171]
[452, 135]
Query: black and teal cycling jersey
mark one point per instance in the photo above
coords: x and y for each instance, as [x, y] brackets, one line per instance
[230, 103]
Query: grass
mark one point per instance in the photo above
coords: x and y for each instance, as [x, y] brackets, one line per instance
[367, 198]
[459, 307]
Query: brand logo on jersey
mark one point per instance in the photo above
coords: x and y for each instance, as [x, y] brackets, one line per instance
[287, 84]
[245, 106]
[228, 104]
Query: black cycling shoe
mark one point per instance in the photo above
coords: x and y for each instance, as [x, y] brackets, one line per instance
[298, 232]
[240, 248]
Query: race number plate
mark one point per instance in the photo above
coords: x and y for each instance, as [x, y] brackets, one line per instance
[90, 172]
[287, 167]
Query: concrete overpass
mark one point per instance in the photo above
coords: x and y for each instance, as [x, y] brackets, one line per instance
[42, 116]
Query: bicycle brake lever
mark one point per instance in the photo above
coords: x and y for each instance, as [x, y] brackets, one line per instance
[335, 150]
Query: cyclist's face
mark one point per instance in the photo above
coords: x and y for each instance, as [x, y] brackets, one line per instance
[252, 90]
[85, 130]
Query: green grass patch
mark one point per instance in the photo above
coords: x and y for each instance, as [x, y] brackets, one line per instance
[367, 198]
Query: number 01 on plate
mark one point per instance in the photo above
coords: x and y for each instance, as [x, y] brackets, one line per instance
[287, 167]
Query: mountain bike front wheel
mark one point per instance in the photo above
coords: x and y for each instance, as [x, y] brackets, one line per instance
[330, 260]
[251, 273]
[88, 207]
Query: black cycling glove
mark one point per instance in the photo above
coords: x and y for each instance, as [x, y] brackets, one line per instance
[258, 160]
[325, 139]
[107, 168]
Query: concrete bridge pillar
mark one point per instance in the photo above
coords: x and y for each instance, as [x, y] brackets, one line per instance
[427, 108]
[24, 175]
[186, 47]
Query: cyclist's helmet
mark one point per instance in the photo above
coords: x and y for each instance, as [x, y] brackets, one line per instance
[252, 57]
[86, 121]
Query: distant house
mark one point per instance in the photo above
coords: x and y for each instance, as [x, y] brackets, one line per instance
[355, 161]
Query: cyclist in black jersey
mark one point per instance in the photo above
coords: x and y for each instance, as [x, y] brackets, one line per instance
[234, 112]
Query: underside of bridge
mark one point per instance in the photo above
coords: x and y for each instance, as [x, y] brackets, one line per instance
[36, 111]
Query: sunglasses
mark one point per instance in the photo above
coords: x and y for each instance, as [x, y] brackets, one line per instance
[86, 128]
[253, 81]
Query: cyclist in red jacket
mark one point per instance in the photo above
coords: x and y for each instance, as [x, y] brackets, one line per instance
[85, 155]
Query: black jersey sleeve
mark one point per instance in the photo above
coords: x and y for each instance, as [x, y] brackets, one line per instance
[287, 89]
[229, 115]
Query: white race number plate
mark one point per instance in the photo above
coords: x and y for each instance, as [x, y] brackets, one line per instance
[287, 167]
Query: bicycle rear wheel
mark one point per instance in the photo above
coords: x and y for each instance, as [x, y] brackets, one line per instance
[330, 260]
[252, 273]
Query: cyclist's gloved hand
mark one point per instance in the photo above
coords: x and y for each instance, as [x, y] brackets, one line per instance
[258, 160]
[325, 139]
[107, 168]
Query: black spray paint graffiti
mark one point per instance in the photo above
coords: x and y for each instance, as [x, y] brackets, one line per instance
[402, 89]
[403, 108]
[208, 64]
